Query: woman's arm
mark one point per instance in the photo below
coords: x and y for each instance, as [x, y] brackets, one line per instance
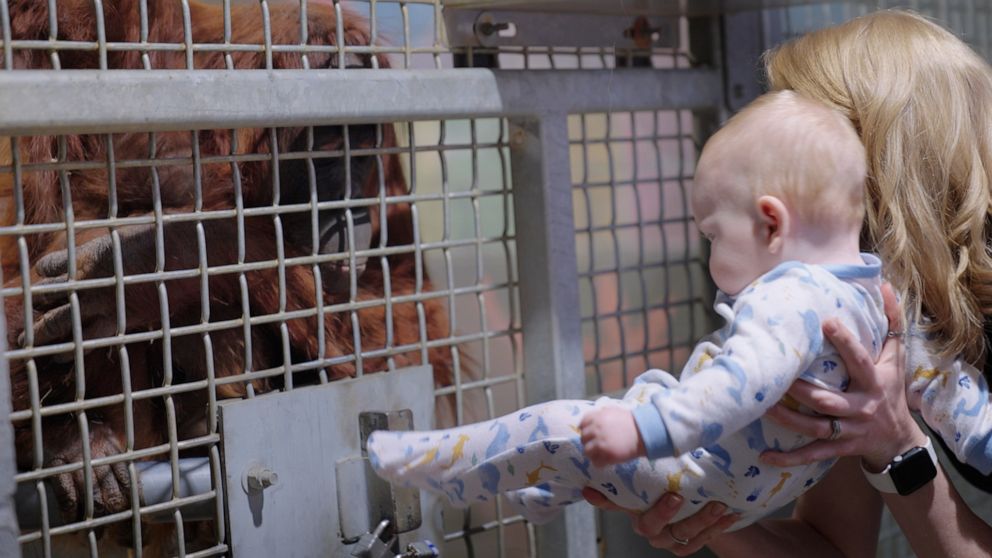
[823, 524]
[839, 516]
[937, 522]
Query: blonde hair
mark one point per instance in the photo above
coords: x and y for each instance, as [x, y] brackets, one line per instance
[799, 150]
[922, 103]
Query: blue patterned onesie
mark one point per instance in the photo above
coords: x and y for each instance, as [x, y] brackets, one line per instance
[703, 433]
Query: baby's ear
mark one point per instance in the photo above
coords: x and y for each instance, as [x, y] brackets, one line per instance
[774, 222]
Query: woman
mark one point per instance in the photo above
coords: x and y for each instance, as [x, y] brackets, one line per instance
[922, 103]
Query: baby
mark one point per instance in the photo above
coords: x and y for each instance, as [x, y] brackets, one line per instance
[778, 193]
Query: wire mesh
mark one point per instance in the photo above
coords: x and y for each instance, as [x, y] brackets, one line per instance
[321, 34]
[474, 216]
[642, 274]
[276, 34]
[187, 267]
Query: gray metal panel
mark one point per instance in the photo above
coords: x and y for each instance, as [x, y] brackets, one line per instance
[549, 294]
[301, 435]
[55, 102]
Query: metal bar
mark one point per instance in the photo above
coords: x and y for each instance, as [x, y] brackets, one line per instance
[549, 294]
[47, 102]
[743, 44]
[8, 519]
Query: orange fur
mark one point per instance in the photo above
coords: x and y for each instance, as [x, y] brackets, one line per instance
[43, 204]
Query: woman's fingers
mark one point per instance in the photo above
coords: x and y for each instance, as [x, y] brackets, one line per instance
[893, 309]
[865, 420]
[860, 364]
[656, 518]
[807, 425]
[690, 534]
[819, 450]
[830, 442]
[597, 499]
[697, 542]
[824, 401]
[682, 538]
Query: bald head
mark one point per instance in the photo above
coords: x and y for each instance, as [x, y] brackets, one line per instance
[801, 151]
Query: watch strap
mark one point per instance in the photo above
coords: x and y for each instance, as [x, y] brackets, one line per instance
[882, 481]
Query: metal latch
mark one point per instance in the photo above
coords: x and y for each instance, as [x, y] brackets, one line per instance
[378, 544]
[365, 499]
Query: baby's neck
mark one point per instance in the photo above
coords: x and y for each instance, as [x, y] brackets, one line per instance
[823, 248]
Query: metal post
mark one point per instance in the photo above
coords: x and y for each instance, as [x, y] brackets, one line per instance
[8, 519]
[549, 294]
[743, 45]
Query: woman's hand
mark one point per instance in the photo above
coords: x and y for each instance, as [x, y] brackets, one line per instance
[872, 416]
[681, 538]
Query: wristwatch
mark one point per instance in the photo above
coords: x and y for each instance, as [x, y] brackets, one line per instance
[907, 473]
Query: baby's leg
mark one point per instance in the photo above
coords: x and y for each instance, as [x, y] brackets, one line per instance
[540, 504]
[533, 447]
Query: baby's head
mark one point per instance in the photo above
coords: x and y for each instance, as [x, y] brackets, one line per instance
[782, 180]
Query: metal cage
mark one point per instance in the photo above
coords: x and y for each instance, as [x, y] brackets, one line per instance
[494, 189]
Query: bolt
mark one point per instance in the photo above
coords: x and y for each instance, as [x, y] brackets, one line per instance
[517, 137]
[489, 28]
[260, 478]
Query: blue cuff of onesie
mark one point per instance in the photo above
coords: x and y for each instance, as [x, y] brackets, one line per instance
[653, 432]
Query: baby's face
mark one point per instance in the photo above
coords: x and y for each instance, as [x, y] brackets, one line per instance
[727, 216]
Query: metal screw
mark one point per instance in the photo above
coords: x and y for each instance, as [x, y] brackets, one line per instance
[489, 28]
[260, 478]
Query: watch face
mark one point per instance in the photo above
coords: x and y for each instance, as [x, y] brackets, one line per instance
[913, 471]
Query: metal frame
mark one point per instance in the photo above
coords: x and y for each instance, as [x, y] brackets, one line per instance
[8, 516]
[46, 101]
[549, 294]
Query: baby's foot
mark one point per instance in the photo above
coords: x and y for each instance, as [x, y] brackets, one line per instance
[406, 458]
